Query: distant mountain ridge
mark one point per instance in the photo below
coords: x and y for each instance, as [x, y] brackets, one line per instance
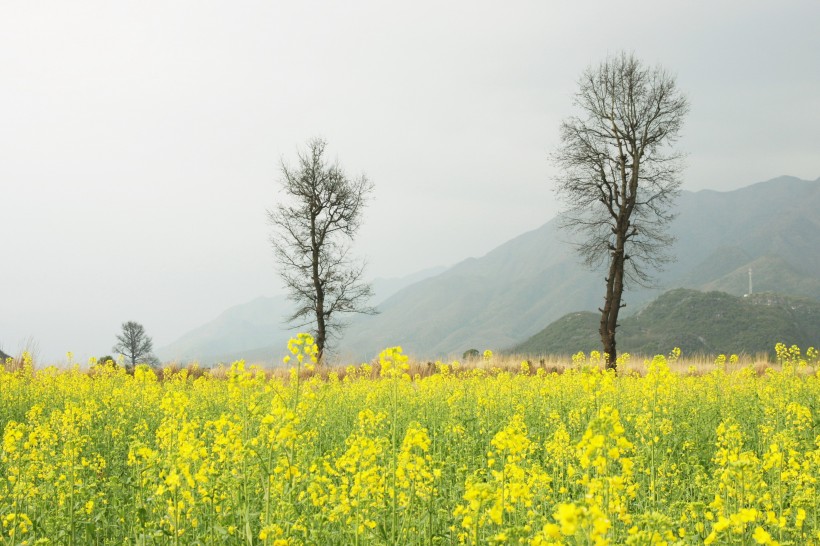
[511, 293]
[697, 322]
[257, 330]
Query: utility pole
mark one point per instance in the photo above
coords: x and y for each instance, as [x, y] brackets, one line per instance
[750, 281]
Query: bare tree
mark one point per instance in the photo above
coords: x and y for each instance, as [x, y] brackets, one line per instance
[312, 233]
[620, 175]
[134, 345]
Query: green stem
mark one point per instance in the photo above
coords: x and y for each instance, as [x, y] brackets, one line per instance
[393, 438]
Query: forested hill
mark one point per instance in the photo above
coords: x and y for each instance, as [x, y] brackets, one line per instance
[697, 322]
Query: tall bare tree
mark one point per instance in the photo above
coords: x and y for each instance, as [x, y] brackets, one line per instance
[313, 230]
[135, 345]
[620, 175]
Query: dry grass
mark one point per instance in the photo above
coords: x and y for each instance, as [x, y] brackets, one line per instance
[693, 365]
[29, 348]
[13, 364]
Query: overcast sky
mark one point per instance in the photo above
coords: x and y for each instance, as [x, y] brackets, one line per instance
[140, 141]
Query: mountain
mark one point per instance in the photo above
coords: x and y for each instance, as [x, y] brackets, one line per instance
[511, 293]
[383, 287]
[697, 322]
[778, 220]
[256, 330]
[257, 323]
[483, 302]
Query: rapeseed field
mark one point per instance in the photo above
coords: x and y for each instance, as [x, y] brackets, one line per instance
[375, 456]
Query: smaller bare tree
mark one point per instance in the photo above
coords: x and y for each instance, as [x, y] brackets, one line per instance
[313, 229]
[134, 345]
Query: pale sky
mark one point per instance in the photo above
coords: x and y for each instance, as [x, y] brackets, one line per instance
[140, 141]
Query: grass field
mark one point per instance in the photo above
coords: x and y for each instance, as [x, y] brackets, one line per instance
[665, 452]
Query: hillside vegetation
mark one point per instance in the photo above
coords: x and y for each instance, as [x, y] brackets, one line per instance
[697, 322]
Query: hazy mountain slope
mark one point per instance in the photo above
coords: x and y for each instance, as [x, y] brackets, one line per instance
[257, 330]
[528, 282]
[779, 218]
[535, 278]
[769, 274]
[772, 227]
[697, 322]
[383, 288]
[484, 302]
[254, 324]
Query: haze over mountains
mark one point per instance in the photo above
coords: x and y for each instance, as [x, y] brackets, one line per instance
[250, 330]
[514, 291]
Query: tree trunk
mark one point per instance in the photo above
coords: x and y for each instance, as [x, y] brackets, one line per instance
[612, 303]
[321, 333]
[321, 330]
[607, 332]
